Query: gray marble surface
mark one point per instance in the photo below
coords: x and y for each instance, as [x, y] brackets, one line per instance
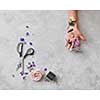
[47, 28]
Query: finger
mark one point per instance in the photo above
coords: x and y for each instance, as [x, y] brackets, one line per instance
[72, 46]
[75, 38]
[69, 44]
[67, 41]
[68, 47]
[82, 37]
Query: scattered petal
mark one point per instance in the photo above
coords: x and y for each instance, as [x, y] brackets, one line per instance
[27, 26]
[45, 69]
[22, 39]
[30, 43]
[24, 77]
[22, 73]
[26, 73]
[34, 65]
[32, 62]
[27, 33]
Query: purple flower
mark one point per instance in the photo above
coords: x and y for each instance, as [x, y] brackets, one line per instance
[26, 73]
[30, 65]
[33, 64]
[22, 39]
[22, 73]
[24, 77]
[45, 69]
[77, 43]
[30, 43]
[27, 33]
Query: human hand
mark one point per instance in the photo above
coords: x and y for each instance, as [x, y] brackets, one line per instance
[74, 36]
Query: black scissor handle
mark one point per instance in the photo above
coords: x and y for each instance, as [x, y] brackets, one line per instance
[20, 49]
[30, 52]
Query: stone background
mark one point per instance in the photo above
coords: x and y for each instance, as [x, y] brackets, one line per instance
[47, 28]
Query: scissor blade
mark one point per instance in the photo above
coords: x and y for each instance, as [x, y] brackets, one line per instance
[30, 52]
[20, 49]
[23, 65]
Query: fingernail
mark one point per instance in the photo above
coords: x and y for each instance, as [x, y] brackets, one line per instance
[70, 49]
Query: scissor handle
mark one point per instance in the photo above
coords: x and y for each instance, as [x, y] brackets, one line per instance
[20, 49]
[30, 52]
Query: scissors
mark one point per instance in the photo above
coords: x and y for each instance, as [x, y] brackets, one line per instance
[29, 52]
